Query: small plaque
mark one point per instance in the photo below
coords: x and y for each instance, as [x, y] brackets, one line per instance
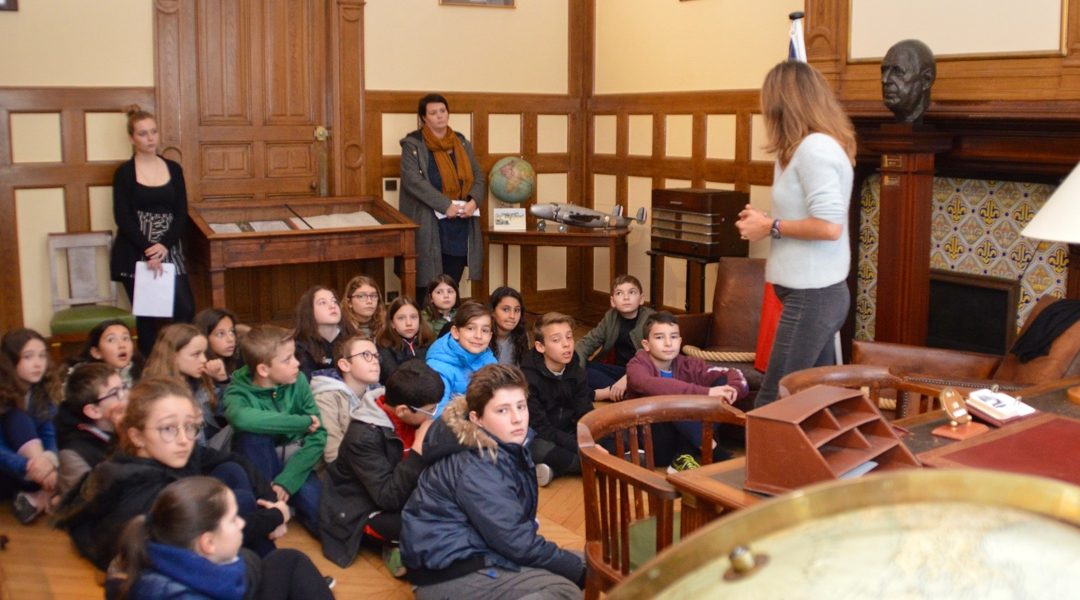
[890, 181]
[509, 219]
[892, 161]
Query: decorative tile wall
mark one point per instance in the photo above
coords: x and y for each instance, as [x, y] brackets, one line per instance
[975, 229]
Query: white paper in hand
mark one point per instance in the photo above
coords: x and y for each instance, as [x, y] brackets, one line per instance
[154, 294]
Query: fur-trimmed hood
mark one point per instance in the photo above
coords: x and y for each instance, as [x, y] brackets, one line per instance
[454, 432]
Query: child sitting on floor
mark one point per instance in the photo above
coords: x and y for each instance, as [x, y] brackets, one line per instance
[338, 392]
[95, 399]
[617, 337]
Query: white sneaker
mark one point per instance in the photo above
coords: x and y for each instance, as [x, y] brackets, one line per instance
[543, 475]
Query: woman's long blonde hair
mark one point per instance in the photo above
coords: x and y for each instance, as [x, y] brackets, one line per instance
[796, 101]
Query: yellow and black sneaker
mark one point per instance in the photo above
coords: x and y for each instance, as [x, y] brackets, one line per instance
[683, 462]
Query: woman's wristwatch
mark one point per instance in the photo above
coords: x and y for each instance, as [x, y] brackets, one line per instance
[774, 231]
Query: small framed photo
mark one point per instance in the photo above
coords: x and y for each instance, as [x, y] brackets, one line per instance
[509, 219]
[489, 3]
[14, 4]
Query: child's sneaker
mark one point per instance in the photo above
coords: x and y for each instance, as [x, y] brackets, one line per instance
[543, 475]
[330, 581]
[683, 462]
[25, 511]
[391, 556]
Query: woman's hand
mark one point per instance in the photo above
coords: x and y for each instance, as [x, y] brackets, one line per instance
[469, 209]
[156, 267]
[157, 252]
[753, 224]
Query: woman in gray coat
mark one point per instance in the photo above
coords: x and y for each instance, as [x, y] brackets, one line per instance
[442, 190]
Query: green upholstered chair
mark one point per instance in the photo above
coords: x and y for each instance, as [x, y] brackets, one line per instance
[82, 294]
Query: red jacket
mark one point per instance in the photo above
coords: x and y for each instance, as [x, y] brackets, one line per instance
[691, 376]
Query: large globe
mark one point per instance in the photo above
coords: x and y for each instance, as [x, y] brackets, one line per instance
[512, 180]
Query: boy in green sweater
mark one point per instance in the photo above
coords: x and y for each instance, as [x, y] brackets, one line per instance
[270, 406]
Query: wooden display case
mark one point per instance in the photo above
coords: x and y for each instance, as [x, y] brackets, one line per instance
[291, 231]
[818, 434]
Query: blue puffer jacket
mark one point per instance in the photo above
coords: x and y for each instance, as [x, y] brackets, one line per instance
[456, 366]
[476, 502]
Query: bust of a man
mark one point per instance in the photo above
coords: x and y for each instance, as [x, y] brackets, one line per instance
[907, 73]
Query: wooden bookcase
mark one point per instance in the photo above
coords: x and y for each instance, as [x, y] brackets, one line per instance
[816, 435]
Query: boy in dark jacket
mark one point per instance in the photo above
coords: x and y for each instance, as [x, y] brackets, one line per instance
[559, 395]
[278, 428]
[614, 340]
[94, 401]
[378, 464]
[469, 529]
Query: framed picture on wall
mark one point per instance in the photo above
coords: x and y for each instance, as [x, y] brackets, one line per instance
[493, 3]
[14, 4]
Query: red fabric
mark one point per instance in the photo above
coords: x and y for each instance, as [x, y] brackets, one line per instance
[770, 319]
[406, 432]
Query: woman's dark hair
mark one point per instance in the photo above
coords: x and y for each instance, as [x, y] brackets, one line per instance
[205, 322]
[429, 306]
[306, 330]
[388, 338]
[421, 107]
[519, 335]
[183, 511]
[43, 395]
[94, 338]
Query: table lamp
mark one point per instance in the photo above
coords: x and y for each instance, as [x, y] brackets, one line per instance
[1059, 221]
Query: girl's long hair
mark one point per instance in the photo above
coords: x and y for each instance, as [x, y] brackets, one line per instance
[306, 330]
[348, 317]
[162, 361]
[42, 396]
[388, 338]
[796, 101]
[183, 511]
[429, 306]
[519, 335]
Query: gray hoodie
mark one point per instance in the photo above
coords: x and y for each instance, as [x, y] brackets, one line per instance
[338, 405]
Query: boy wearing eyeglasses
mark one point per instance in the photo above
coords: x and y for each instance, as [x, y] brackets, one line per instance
[277, 424]
[338, 391]
[378, 465]
[94, 401]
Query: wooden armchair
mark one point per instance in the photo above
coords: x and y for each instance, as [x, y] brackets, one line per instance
[732, 326]
[629, 507]
[886, 390]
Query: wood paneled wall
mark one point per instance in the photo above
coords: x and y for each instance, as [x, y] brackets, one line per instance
[74, 173]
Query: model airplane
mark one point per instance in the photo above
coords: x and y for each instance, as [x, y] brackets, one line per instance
[579, 216]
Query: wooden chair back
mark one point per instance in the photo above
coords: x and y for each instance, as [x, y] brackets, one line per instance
[886, 390]
[86, 257]
[623, 487]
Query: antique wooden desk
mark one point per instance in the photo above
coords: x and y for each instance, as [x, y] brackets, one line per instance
[212, 253]
[613, 239]
[711, 491]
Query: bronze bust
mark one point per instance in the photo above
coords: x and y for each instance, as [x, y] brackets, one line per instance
[907, 73]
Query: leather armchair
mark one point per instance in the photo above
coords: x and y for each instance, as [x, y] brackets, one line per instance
[732, 326]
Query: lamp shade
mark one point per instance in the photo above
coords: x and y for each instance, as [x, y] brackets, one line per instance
[1059, 219]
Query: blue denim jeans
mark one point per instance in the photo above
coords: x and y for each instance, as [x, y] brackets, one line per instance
[804, 337]
[263, 453]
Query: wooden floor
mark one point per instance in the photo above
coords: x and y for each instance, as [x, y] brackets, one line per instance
[40, 563]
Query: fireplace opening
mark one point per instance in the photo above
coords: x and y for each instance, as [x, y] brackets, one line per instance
[972, 312]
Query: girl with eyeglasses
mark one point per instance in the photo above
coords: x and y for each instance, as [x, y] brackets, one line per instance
[406, 336]
[362, 307]
[222, 352]
[180, 351]
[28, 452]
[318, 325]
[95, 399]
[157, 447]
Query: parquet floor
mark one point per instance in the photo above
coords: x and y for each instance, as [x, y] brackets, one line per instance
[40, 563]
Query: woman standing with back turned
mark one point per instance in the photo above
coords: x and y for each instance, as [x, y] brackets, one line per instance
[440, 177]
[810, 257]
[150, 210]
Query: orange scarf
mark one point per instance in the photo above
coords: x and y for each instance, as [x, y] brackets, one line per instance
[457, 179]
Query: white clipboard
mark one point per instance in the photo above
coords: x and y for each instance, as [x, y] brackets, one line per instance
[154, 294]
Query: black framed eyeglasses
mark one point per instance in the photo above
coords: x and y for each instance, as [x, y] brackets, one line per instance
[168, 433]
[118, 392]
[367, 355]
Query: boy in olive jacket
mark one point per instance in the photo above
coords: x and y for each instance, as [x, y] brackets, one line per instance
[277, 424]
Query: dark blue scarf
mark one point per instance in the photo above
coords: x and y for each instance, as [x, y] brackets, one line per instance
[224, 582]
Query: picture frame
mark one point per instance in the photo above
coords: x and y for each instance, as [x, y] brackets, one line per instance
[9, 4]
[481, 3]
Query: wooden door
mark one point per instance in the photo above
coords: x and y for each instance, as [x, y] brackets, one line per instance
[244, 86]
